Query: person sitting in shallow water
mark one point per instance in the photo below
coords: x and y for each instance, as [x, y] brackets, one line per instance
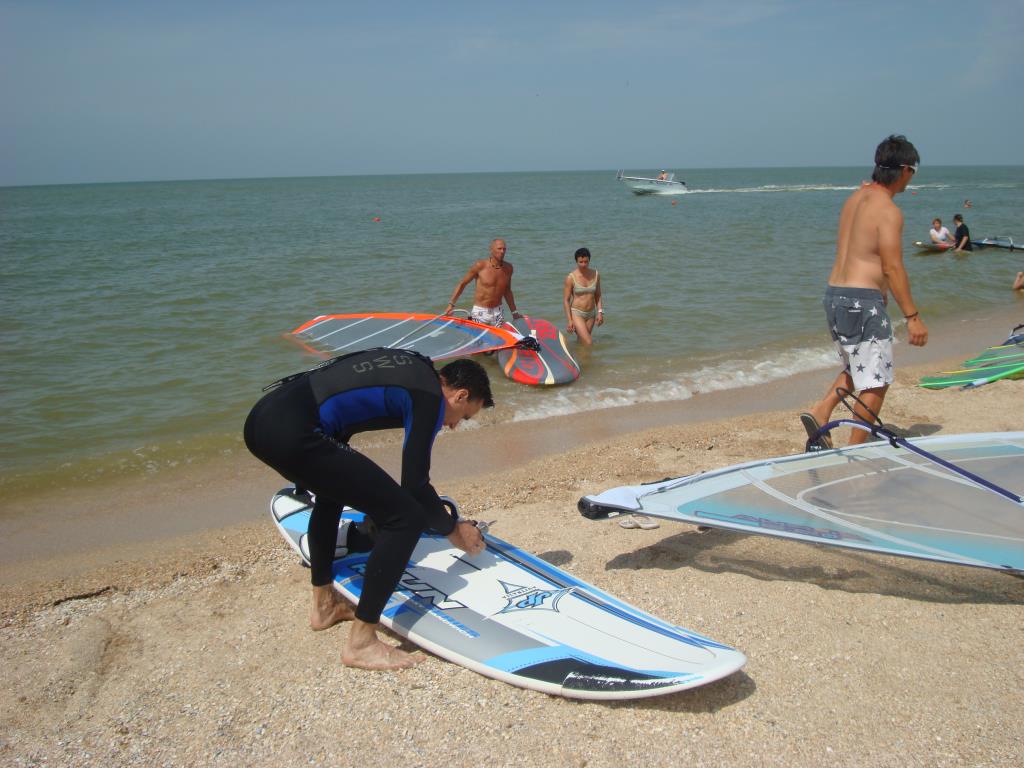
[939, 234]
[962, 236]
[581, 298]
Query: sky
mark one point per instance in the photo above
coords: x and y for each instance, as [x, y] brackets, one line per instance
[109, 90]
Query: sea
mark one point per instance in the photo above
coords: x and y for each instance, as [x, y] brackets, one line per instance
[141, 320]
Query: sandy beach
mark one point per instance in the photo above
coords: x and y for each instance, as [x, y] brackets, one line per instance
[188, 644]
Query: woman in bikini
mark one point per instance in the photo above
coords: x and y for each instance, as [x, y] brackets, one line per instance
[582, 298]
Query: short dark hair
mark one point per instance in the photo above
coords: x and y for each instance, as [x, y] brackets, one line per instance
[471, 376]
[958, 217]
[890, 157]
[581, 252]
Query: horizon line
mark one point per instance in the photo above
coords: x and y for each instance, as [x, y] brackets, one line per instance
[458, 173]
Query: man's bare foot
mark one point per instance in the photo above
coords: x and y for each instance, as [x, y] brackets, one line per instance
[367, 651]
[328, 609]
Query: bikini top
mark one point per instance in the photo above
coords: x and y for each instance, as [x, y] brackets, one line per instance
[592, 288]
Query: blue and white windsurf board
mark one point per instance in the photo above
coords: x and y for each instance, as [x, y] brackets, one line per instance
[516, 618]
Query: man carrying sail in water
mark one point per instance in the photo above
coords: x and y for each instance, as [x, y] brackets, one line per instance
[493, 277]
[868, 265]
[301, 428]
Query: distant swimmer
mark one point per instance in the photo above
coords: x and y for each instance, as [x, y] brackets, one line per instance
[493, 277]
[939, 234]
[868, 265]
[581, 298]
[967, 203]
[962, 237]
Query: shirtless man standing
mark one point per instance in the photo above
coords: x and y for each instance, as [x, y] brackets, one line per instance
[493, 277]
[868, 265]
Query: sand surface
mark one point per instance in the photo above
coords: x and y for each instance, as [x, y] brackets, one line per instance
[191, 647]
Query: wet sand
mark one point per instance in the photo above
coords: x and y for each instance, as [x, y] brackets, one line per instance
[183, 638]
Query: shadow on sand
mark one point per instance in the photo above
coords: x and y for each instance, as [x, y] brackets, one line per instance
[827, 567]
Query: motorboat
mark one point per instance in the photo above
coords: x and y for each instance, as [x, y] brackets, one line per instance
[663, 184]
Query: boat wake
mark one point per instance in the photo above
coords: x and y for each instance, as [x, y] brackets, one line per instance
[767, 188]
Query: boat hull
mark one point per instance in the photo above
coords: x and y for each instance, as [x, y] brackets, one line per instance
[655, 187]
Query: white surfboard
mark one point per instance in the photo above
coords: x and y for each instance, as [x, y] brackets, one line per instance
[513, 617]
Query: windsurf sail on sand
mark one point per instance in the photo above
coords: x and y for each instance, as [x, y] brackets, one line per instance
[1016, 336]
[439, 337]
[1005, 361]
[952, 498]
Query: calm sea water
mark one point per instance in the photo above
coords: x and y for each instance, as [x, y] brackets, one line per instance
[140, 320]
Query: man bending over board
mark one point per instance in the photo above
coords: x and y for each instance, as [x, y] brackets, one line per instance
[493, 277]
[301, 428]
[869, 264]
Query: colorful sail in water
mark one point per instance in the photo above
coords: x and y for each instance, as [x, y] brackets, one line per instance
[955, 498]
[439, 337]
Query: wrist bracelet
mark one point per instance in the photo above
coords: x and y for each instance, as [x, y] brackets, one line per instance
[911, 317]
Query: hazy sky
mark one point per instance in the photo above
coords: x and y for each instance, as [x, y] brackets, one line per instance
[139, 90]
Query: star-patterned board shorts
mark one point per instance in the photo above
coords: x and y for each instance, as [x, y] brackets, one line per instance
[862, 331]
[487, 315]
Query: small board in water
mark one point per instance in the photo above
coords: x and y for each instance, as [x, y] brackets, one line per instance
[998, 242]
[516, 618]
[552, 365]
[928, 247]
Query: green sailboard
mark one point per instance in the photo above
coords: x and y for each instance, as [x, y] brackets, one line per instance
[1005, 361]
[974, 377]
[1004, 353]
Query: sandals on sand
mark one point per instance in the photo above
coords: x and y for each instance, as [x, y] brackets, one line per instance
[638, 521]
[823, 442]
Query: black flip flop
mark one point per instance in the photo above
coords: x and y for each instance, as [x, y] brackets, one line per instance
[823, 441]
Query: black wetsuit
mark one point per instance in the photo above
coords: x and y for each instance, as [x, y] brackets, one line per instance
[963, 232]
[302, 429]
